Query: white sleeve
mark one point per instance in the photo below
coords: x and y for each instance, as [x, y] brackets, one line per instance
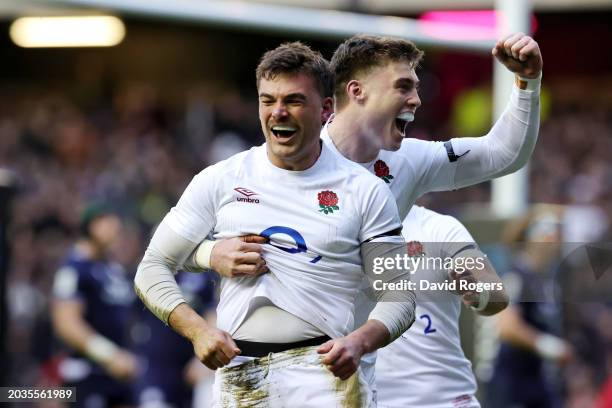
[508, 145]
[154, 281]
[450, 239]
[457, 243]
[194, 216]
[378, 210]
[448, 230]
[66, 284]
[395, 309]
[465, 161]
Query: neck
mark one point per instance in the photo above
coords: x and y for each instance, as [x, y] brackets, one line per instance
[350, 137]
[301, 163]
[90, 250]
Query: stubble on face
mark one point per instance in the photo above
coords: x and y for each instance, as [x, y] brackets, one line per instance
[290, 115]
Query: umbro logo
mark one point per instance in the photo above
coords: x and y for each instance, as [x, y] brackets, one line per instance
[247, 195]
[245, 191]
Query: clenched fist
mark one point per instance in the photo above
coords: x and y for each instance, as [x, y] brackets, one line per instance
[215, 348]
[342, 356]
[520, 54]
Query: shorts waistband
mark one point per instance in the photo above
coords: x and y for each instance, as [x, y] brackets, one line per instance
[257, 349]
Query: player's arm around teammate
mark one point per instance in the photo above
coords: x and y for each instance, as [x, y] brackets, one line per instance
[476, 279]
[492, 298]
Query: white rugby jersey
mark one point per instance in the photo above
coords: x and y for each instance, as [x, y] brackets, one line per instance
[425, 366]
[316, 220]
[415, 169]
[419, 166]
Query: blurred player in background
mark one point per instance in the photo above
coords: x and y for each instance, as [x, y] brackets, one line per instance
[92, 303]
[169, 369]
[288, 190]
[426, 366]
[529, 328]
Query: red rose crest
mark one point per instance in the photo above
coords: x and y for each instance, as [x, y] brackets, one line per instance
[382, 170]
[414, 248]
[328, 201]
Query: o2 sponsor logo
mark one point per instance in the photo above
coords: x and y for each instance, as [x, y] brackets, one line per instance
[298, 240]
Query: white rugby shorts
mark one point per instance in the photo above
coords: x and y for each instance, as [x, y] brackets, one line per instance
[293, 378]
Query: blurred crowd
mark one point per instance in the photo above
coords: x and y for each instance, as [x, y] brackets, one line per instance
[137, 154]
[129, 154]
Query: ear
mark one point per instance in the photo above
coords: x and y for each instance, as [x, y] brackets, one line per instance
[354, 90]
[327, 109]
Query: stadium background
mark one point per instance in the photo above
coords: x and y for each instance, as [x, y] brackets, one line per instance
[131, 124]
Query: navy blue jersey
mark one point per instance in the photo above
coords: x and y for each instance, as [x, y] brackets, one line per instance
[104, 289]
[519, 375]
[152, 337]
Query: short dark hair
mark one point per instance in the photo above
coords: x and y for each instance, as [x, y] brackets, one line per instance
[360, 53]
[90, 213]
[295, 58]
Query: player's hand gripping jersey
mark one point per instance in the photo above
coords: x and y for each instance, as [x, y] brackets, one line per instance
[315, 219]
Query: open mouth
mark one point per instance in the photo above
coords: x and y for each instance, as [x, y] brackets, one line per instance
[402, 120]
[283, 131]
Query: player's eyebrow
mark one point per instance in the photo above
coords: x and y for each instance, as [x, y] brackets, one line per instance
[296, 95]
[406, 83]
